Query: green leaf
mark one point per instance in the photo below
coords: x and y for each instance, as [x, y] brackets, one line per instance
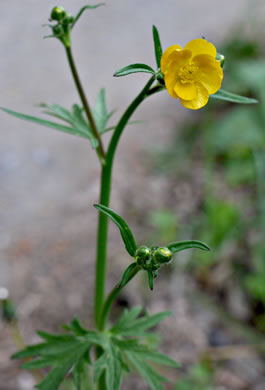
[85, 8]
[150, 280]
[127, 317]
[146, 353]
[100, 113]
[63, 365]
[151, 377]
[131, 326]
[44, 122]
[77, 127]
[157, 46]
[232, 97]
[125, 231]
[126, 274]
[109, 362]
[57, 111]
[134, 68]
[181, 245]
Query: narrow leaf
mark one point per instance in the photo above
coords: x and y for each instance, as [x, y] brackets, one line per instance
[157, 46]
[151, 280]
[134, 68]
[56, 375]
[125, 231]
[150, 376]
[232, 97]
[181, 245]
[126, 319]
[85, 8]
[139, 326]
[126, 274]
[44, 122]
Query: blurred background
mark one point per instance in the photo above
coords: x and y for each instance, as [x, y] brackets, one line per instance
[178, 175]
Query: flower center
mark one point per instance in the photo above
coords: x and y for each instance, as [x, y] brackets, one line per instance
[187, 73]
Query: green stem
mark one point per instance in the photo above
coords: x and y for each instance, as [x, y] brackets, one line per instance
[112, 296]
[105, 189]
[91, 121]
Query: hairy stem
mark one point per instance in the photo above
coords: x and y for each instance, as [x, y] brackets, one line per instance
[112, 296]
[105, 189]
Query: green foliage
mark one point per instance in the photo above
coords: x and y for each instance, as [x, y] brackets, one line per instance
[62, 352]
[157, 46]
[75, 120]
[123, 345]
[232, 97]
[84, 9]
[125, 231]
[182, 245]
[134, 68]
[199, 377]
[126, 277]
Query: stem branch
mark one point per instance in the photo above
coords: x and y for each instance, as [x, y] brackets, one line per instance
[105, 189]
[99, 149]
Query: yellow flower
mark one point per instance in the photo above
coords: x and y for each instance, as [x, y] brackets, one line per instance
[193, 73]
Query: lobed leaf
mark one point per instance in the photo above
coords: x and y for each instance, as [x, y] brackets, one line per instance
[232, 97]
[138, 326]
[125, 231]
[44, 122]
[110, 363]
[157, 46]
[182, 245]
[134, 68]
[150, 376]
[75, 128]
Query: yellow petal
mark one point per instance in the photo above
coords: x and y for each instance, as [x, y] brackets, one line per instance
[166, 54]
[187, 91]
[210, 73]
[176, 60]
[200, 100]
[201, 46]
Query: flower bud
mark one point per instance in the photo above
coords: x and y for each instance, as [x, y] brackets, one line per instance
[162, 255]
[69, 19]
[58, 13]
[143, 254]
[58, 30]
[221, 59]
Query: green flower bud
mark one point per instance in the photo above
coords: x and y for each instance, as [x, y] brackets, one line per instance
[58, 13]
[162, 255]
[143, 255]
[69, 19]
[221, 59]
[58, 30]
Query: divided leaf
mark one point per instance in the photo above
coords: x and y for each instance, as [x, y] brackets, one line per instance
[157, 46]
[61, 352]
[125, 231]
[111, 363]
[150, 376]
[101, 114]
[75, 127]
[134, 68]
[181, 245]
[232, 97]
[130, 325]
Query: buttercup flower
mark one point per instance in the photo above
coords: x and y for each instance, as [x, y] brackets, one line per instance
[193, 73]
